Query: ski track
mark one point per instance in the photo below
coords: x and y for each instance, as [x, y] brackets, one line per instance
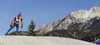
[30, 40]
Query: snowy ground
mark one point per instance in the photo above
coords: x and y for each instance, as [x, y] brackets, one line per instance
[26, 40]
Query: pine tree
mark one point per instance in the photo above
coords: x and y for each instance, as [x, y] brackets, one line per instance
[31, 28]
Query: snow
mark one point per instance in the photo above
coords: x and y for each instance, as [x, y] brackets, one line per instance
[84, 15]
[30, 40]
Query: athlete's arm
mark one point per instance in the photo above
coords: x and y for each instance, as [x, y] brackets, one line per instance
[12, 21]
[22, 22]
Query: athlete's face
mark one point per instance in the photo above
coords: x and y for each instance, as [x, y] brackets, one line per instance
[19, 16]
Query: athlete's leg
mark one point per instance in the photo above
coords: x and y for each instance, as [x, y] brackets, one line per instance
[10, 29]
[17, 27]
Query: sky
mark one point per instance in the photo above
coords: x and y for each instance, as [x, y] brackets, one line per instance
[40, 11]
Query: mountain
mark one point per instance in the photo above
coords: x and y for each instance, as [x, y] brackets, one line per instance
[76, 34]
[77, 20]
[88, 34]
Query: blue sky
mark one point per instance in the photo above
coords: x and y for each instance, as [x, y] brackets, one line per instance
[40, 11]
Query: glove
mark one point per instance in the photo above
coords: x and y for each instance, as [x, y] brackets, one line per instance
[21, 26]
[11, 25]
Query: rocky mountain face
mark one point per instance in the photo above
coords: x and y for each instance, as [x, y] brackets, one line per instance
[77, 34]
[74, 21]
[43, 29]
[85, 34]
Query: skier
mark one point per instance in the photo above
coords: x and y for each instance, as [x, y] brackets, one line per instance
[14, 23]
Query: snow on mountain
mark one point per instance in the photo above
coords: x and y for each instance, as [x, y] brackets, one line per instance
[74, 20]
